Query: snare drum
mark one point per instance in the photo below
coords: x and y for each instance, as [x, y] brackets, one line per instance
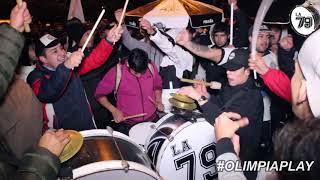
[99, 158]
[183, 147]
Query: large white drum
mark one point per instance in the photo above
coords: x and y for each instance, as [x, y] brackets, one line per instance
[183, 147]
[99, 158]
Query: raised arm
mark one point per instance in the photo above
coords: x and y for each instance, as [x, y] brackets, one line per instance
[214, 54]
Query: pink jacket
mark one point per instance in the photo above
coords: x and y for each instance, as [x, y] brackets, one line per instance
[279, 83]
[133, 92]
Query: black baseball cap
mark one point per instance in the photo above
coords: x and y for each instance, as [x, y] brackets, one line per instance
[237, 59]
[46, 41]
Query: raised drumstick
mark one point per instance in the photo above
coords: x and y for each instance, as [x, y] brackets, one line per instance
[26, 25]
[212, 85]
[93, 29]
[123, 12]
[122, 15]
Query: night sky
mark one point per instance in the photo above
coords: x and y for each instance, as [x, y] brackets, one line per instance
[57, 10]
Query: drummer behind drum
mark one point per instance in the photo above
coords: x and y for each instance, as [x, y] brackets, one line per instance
[139, 90]
[241, 96]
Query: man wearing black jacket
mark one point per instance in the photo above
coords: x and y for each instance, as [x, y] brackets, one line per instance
[240, 95]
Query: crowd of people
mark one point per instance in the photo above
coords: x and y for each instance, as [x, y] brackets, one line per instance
[47, 84]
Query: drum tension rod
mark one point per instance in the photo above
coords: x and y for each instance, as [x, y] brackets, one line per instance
[170, 138]
[124, 163]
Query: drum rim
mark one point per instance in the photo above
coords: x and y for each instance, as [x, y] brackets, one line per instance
[176, 131]
[109, 166]
[104, 132]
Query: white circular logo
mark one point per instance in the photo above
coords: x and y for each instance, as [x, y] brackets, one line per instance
[304, 20]
[232, 56]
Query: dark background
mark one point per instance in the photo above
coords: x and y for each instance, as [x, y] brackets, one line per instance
[57, 10]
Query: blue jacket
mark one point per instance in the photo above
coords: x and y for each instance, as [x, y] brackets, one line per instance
[63, 88]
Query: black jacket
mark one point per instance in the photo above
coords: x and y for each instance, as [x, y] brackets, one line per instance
[246, 100]
[36, 164]
[285, 61]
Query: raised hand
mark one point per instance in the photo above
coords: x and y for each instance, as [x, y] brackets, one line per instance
[115, 33]
[257, 63]
[146, 25]
[74, 60]
[183, 37]
[19, 16]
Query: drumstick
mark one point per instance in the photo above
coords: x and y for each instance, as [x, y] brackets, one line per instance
[122, 15]
[231, 24]
[194, 81]
[93, 29]
[212, 85]
[123, 12]
[135, 116]
[26, 25]
[132, 116]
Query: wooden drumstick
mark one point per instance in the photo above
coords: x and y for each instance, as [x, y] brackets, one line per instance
[93, 29]
[123, 13]
[132, 116]
[26, 25]
[212, 85]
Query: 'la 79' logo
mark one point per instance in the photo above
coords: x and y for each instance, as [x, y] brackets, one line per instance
[304, 21]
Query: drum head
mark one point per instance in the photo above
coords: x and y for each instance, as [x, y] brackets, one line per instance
[101, 157]
[184, 149]
[140, 132]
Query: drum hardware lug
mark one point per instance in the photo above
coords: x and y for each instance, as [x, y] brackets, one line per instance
[153, 126]
[170, 138]
[124, 163]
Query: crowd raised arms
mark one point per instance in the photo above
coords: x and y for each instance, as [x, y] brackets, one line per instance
[156, 102]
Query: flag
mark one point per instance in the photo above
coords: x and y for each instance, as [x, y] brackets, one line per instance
[75, 10]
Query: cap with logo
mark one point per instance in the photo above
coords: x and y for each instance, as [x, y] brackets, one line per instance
[237, 59]
[46, 41]
[263, 28]
[309, 61]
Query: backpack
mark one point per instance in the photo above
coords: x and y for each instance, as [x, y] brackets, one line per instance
[118, 75]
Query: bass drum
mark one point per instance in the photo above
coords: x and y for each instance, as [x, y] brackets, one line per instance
[183, 147]
[99, 158]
